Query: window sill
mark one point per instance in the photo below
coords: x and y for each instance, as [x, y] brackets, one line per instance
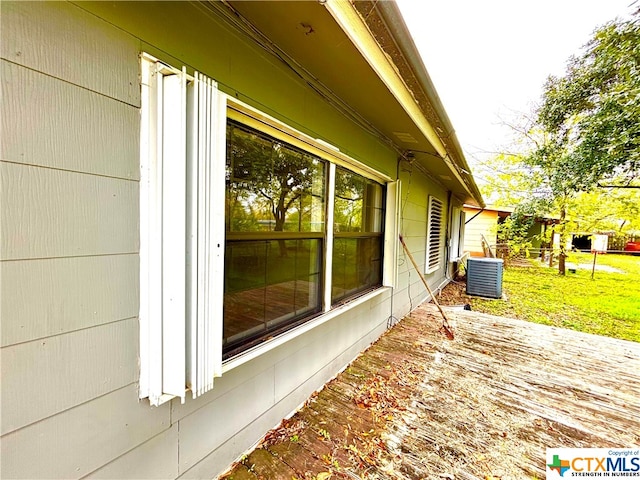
[301, 329]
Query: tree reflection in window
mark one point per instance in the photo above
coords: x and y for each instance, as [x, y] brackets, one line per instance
[275, 228]
[357, 250]
[272, 186]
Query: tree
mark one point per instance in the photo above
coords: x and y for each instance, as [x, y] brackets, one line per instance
[519, 181]
[616, 211]
[551, 160]
[349, 196]
[593, 111]
[513, 233]
[588, 126]
[508, 181]
[586, 130]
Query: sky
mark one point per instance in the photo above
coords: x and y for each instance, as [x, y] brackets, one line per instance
[489, 59]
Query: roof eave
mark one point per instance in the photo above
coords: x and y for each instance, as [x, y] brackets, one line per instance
[438, 129]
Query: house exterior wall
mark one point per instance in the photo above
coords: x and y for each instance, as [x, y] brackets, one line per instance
[484, 224]
[70, 247]
[416, 189]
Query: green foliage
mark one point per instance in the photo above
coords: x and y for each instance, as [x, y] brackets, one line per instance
[593, 113]
[512, 181]
[267, 180]
[586, 130]
[550, 162]
[514, 233]
[600, 210]
[349, 195]
[604, 210]
[608, 305]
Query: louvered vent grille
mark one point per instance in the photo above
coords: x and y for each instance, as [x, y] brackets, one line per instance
[434, 234]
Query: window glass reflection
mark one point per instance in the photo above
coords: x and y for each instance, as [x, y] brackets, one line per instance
[271, 186]
[264, 290]
[357, 245]
[358, 203]
[356, 266]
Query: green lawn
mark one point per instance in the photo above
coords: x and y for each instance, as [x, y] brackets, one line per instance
[608, 305]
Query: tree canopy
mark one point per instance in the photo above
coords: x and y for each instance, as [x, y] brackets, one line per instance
[586, 130]
[592, 113]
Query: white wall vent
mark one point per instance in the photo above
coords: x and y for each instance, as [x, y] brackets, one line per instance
[484, 277]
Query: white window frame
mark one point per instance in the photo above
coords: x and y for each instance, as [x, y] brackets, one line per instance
[435, 230]
[391, 234]
[457, 234]
[182, 229]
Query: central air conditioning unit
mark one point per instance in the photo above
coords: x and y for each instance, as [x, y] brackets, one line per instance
[484, 277]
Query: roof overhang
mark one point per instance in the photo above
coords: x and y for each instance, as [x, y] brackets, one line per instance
[361, 56]
[504, 212]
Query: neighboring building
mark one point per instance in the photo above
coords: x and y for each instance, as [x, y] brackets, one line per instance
[161, 229]
[616, 242]
[481, 230]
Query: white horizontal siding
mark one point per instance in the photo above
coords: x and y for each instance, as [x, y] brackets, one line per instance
[69, 188]
[52, 213]
[39, 298]
[154, 459]
[412, 210]
[47, 376]
[57, 213]
[414, 228]
[228, 452]
[82, 439]
[63, 41]
[298, 369]
[410, 290]
[329, 340]
[225, 384]
[484, 224]
[56, 124]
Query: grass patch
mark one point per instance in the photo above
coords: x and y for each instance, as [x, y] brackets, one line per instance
[607, 305]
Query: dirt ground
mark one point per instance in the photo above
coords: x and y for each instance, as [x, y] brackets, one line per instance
[454, 294]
